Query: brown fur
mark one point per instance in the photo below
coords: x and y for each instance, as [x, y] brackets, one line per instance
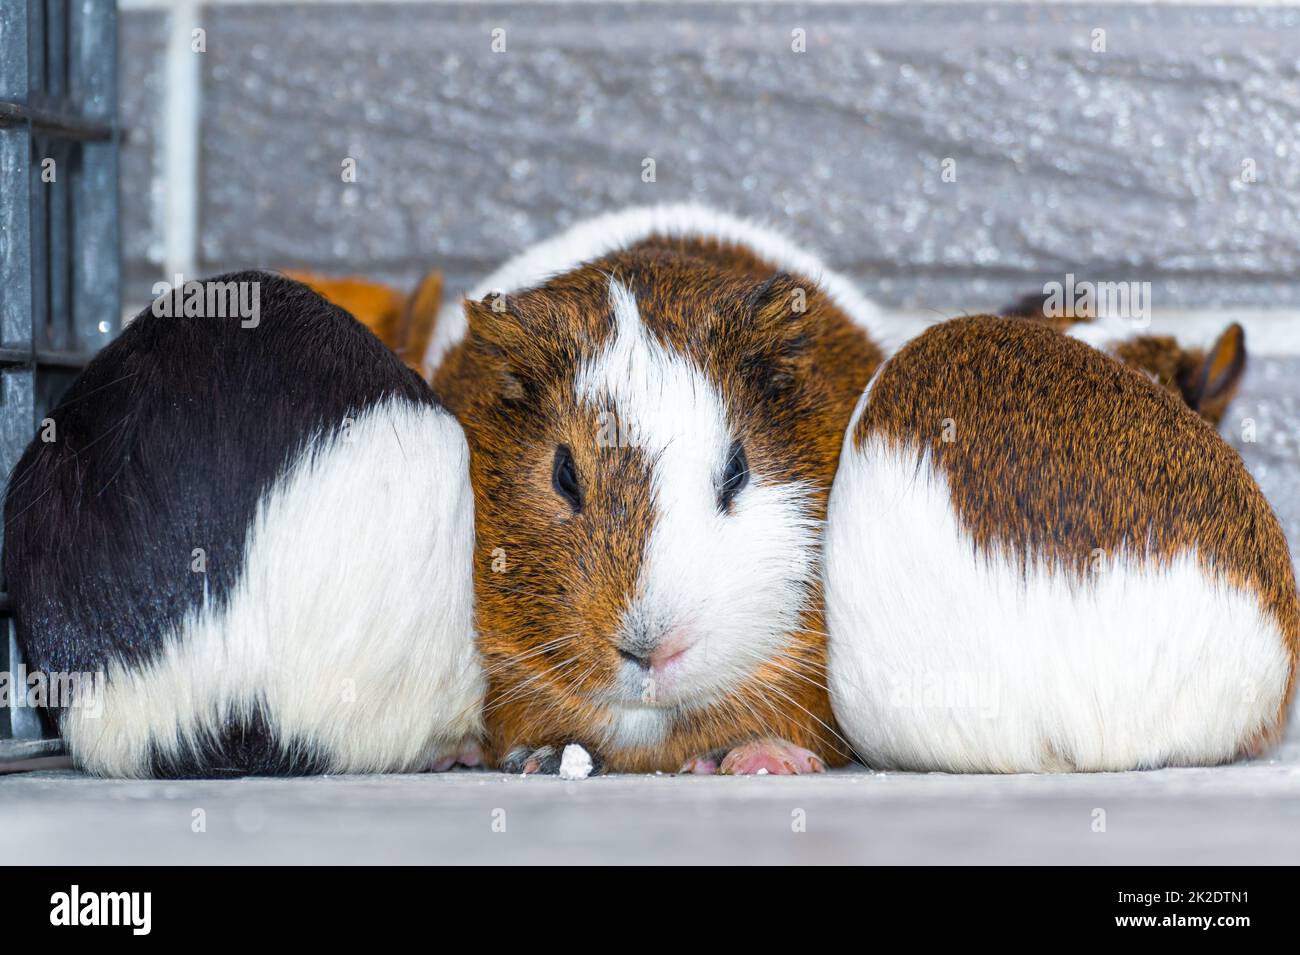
[1059, 451]
[1206, 380]
[403, 323]
[791, 381]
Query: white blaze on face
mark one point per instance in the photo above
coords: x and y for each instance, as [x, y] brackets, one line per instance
[730, 586]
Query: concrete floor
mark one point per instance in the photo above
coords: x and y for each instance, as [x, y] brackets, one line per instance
[1241, 814]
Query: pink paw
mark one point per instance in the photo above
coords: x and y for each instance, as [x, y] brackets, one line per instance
[771, 756]
[701, 765]
[469, 755]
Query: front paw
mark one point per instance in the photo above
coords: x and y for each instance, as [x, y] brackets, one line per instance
[706, 764]
[759, 757]
[545, 760]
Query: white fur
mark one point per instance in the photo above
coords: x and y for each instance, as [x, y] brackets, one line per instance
[634, 727]
[944, 658]
[733, 581]
[1106, 332]
[601, 235]
[352, 620]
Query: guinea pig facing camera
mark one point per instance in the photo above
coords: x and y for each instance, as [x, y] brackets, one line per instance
[257, 536]
[654, 402]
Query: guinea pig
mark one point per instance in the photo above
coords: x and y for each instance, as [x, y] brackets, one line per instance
[403, 322]
[654, 403]
[252, 526]
[1037, 559]
[1206, 379]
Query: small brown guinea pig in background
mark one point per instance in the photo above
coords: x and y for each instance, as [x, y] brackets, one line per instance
[402, 322]
[655, 402]
[1206, 379]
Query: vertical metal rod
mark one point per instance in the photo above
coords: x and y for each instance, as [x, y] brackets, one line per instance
[60, 267]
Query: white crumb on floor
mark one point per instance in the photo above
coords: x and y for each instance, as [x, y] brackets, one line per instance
[761, 772]
[575, 762]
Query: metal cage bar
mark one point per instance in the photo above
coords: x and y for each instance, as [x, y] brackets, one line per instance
[59, 248]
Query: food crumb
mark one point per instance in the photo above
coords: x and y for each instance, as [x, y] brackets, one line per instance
[575, 762]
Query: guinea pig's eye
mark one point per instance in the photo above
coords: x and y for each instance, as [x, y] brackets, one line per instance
[564, 476]
[735, 477]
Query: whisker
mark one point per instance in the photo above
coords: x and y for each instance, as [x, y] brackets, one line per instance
[769, 687]
[520, 689]
[801, 676]
[815, 633]
[823, 723]
[515, 658]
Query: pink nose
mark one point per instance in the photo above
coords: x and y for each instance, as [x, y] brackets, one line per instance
[664, 657]
[671, 649]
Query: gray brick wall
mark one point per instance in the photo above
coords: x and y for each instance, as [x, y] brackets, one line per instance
[1119, 164]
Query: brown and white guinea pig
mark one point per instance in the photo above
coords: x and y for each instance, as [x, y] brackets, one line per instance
[654, 403]
[1207, 379]
[254, 533]
[1038, 559]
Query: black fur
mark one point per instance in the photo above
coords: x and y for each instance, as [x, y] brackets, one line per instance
[164, 444]
[246, 747]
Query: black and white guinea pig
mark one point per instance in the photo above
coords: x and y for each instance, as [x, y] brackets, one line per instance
[259, 531]
[1039, 559]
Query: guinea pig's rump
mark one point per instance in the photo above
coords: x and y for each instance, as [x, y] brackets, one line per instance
[1036, 559]
[255, 540]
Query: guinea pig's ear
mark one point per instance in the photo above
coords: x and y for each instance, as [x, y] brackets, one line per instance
[780, 310]
[1209, 381]
[497, 332]
[1031, 306]
[376, 306]
[419, 315]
